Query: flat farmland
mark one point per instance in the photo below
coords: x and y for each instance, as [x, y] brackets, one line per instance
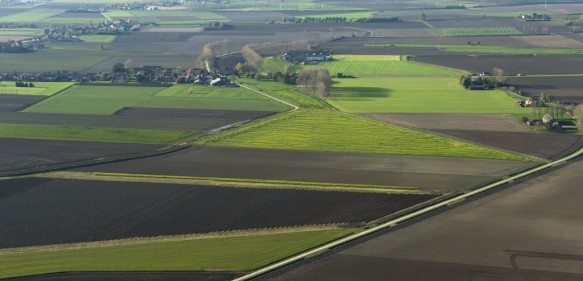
[529, 65]
[139, 118]
[109, 99]
[40, 88]
[432, 174]
[452, 121]
[426, 95]
[478, 31]
[105, 210]
[566, 89]
[30, 153]
[14, 103]
[31, 15]
[55, 58]
[537, 225]
[362, 65]
[318, 130]
[494, 130]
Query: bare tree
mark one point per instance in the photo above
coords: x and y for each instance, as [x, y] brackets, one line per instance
[316, 81]
[212, 50]
[500, 75]
[578, 114]
[253, 58]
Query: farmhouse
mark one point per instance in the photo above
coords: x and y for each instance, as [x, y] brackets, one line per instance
[536, 17]
[306, 57]
[551, 122]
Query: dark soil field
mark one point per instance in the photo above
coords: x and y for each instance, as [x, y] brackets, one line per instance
[428, 173]
[530, 231]
[67, 211]
[495, 130]
[139, 118]
[511, 64]
[28, 153]
[13, 103]
[565, 89]
[543, 145]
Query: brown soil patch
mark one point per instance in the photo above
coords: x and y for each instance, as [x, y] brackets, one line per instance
[455, 121]
[550, 41]
[429, 173]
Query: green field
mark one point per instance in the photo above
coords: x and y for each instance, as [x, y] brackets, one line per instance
[40, 88]
[376, 66]
[489, 49]
[97, 38]
[427, 95]
[77, 133]
[286, 93]
[320, 130]
[230, 253]
[22, 31]
[197, 92]
[109, 99]
[477, 31]
[32, 15]
[51, 60]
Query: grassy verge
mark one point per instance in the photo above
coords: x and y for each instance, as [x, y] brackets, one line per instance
[77, 133]
[319, 130]
[237, 253]
[260, 181]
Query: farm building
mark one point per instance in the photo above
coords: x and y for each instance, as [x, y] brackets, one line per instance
[306, 57]
[552, 122]
[536, 17]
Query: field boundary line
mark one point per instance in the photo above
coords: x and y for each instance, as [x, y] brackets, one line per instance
[295, 107]
[172, 238]
[452, 201]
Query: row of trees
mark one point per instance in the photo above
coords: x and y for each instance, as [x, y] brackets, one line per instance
[314, 19]
[254, 59]
[210, 52]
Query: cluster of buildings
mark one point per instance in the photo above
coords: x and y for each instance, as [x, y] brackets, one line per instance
[306, 58]
[147, 74]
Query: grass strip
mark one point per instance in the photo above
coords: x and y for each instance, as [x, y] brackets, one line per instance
[79, 133]
[260, 181]
[243, 252]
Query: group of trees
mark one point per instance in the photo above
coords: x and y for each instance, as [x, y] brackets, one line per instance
[378, 19]
[217, 25]
[24, 84]
[316, 81]
[254, 59]
[210, 52]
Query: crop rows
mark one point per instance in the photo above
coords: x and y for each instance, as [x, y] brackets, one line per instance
[333, 131]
